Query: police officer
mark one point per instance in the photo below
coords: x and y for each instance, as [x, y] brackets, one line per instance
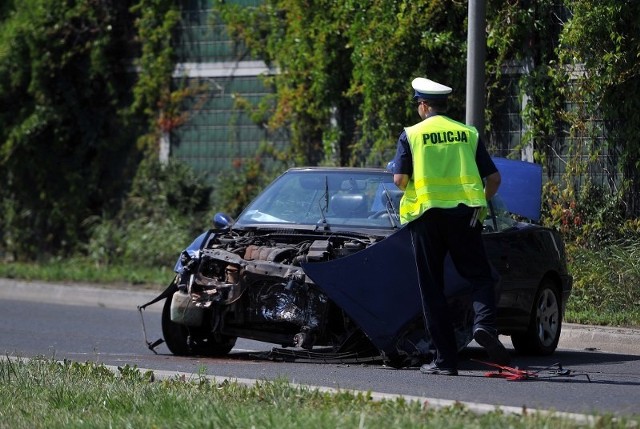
[440, 164]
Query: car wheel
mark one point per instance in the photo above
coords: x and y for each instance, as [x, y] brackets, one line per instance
[543, 333]
[189, 341]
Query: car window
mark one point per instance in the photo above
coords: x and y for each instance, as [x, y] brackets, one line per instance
[312, 197]
[499, 218]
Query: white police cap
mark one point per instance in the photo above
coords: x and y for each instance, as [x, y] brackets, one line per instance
[428, 89]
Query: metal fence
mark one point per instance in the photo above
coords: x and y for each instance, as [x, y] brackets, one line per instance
[218, 135]
[593, 149]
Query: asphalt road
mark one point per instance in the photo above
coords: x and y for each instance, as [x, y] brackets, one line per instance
[93, 324]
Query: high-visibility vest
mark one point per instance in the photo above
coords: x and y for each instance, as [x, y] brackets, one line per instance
[445, 173]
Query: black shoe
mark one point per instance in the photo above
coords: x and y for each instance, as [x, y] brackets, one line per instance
[432, 368]
[490, 342]
[397, 361]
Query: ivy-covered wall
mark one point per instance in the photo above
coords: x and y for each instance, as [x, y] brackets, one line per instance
[89, 88]
[66, 139]
[556, 72]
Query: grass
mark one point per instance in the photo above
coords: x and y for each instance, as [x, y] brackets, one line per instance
[84, 271]
[42, 393]
[606, 285]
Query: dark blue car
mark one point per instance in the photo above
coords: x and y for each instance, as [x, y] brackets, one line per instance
[319, 262]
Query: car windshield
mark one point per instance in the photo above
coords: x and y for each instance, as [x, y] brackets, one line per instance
[335, 198]
[327, 198]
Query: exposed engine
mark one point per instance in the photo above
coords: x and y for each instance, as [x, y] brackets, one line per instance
[257, 281]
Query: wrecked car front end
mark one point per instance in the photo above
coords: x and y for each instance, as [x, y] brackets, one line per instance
[257, 288]
[246, 278]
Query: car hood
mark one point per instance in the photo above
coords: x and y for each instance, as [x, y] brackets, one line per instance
[375, 287]
[521, 187]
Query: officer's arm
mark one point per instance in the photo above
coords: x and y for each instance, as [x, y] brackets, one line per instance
[491, 185]
[401, 181]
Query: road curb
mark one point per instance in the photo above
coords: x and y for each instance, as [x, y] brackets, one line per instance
[573, 336]
[77, 294]
[600, 338]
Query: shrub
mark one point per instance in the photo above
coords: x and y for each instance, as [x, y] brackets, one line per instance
[236, 188]
[165, 209]
[605, 284]
[591, 217]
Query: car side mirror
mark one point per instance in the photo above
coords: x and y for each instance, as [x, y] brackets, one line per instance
[222, 221]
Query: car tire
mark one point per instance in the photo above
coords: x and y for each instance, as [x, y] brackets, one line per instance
[192, 341]
[543, 333]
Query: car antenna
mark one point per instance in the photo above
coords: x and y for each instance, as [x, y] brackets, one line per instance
[325, 224]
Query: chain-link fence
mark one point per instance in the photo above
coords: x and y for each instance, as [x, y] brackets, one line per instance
[218, 134]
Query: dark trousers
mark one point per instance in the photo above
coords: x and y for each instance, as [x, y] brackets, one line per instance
[434, 234]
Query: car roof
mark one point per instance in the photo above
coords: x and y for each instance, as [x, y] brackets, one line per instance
[340, 169]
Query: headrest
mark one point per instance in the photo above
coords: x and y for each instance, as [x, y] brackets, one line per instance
[394, 194]
[346, 205]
